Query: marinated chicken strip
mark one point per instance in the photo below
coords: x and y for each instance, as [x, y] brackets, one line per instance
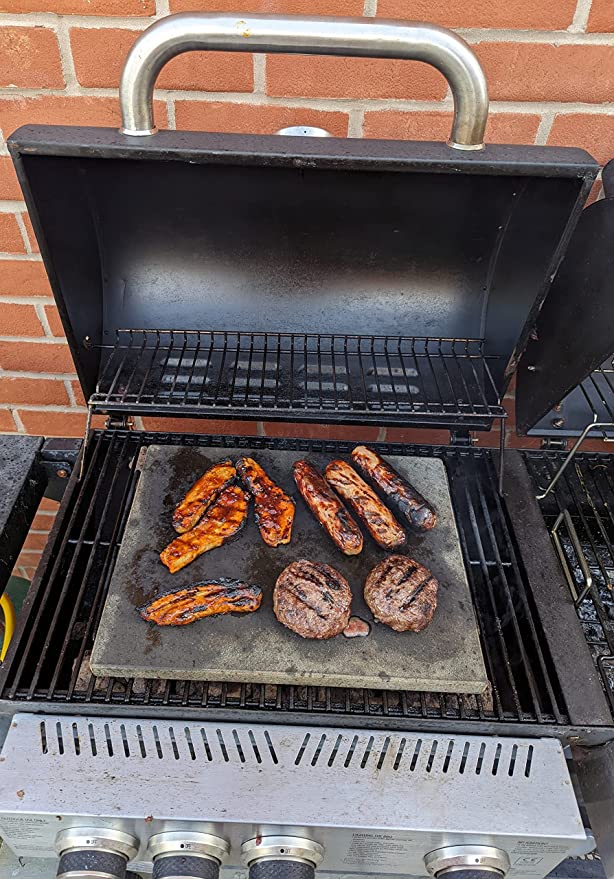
[213, 597]
[221, 522]
[415, 508]
[273, 508]
[379, 521]
[327, 508]
[202, 494]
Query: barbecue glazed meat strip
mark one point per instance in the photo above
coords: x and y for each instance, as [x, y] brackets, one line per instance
[312, 599]
[273, 508]
[222, 521]
[416, 509]
[402, 593]
[202, 494]
[378, 519]
[327, 508]
[183, 606]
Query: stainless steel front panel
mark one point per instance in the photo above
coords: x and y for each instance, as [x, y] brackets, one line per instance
[378, 802]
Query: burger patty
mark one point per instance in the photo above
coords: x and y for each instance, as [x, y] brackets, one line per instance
[312, 599]
[402, 593]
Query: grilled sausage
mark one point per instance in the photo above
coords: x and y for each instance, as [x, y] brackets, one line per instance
[182, 606]
[312, 599]
[378, 519]
[202, 494]
[402, 594]
[222, 521]
[416, 509]
[273, 508]
[327, 508]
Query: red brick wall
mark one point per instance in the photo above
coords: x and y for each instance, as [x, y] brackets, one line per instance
[550, 67]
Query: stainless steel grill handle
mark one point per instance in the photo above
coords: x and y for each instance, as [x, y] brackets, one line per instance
[413, 41]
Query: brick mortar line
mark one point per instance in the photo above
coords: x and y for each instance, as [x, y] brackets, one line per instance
[66, 57]
[259, 68]
[40, 313]
[356, 122]
[505, 35]
[27, 300]
[330, 104]
[43, 407]
[18, 422]
[21, 257]
[581, 15]
[8, 206]
[544, 128]
[370, 8]
[24, 232]
[71, 394]
[40, 340]
[45, 376]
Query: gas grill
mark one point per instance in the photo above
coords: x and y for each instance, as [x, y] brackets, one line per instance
[312, 279]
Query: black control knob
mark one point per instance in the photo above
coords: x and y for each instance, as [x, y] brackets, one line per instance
[281, 857]
[187, 855]
[94, 853]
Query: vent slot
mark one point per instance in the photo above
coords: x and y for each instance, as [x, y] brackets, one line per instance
[495, 762]
[399, 757]
[141, 740]
[206, 745]
[124, 736]
[58, 732]
[43, 734]
[92, 737]
[367, 752]
[448, 757]
[335, 751]
[271, 748]
[190, 743]
[527, 767]
[431, 759]
[302, 749]
[256, 751]
[108, 739]
[383, 753]
[513, 756]
[75, 739]
[478, 765]
[350, 753]
[222, 745]
[318, 749]
[416, 754]
[464, 758]
[157, 741]
[235, 736]
[171, 735]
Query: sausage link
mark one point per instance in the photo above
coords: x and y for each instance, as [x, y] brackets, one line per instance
[327, 508]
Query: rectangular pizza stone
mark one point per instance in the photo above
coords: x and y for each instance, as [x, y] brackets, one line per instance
[446, 657]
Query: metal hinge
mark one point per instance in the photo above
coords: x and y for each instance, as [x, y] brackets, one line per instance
[554, 444]
[462, 438]
[119, 422]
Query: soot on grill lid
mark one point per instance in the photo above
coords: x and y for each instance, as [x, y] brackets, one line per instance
[318, 278]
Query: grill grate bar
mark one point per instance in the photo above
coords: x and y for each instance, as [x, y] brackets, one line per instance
[60, 673]
[439, 380]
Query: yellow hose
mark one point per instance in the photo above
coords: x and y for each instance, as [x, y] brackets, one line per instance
[9, 623]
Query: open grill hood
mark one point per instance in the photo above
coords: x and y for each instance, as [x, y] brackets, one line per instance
[324, 244]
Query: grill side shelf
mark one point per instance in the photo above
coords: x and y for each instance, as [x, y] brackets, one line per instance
[578, 677]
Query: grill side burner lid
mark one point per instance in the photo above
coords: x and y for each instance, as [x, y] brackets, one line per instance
[388, 282]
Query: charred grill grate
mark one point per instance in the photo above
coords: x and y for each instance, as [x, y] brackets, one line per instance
[586, 491]
[55, 635]
[272, 375]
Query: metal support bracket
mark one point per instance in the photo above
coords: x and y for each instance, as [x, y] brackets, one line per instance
[58, 458]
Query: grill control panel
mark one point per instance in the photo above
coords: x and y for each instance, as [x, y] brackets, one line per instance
[283, 800]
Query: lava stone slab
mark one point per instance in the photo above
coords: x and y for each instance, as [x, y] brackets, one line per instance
[446, 657]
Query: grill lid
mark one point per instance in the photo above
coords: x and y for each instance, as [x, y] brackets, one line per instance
[300, 278]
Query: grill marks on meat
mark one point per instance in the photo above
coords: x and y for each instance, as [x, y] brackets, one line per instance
[183, 606]
[327, 508]
[415, 508]
[222, 521]
[274, 510]
[202, 494]
[312, 599]
[402, 593]
[378, 519]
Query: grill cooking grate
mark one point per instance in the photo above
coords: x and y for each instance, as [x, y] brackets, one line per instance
[436, 381]
[586, 491]
[56, 633]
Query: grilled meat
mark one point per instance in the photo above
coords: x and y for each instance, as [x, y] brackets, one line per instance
[312, 599]
[222, 521]
[402, 593]
[183, 606]
[327, 508]
[273, 508]
[378, 519]
[416, 509]
[202, 494]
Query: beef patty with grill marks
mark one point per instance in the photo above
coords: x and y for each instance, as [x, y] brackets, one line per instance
[402, 593]
[312, 599]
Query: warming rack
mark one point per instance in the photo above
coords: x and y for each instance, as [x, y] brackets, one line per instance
[351, 378]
